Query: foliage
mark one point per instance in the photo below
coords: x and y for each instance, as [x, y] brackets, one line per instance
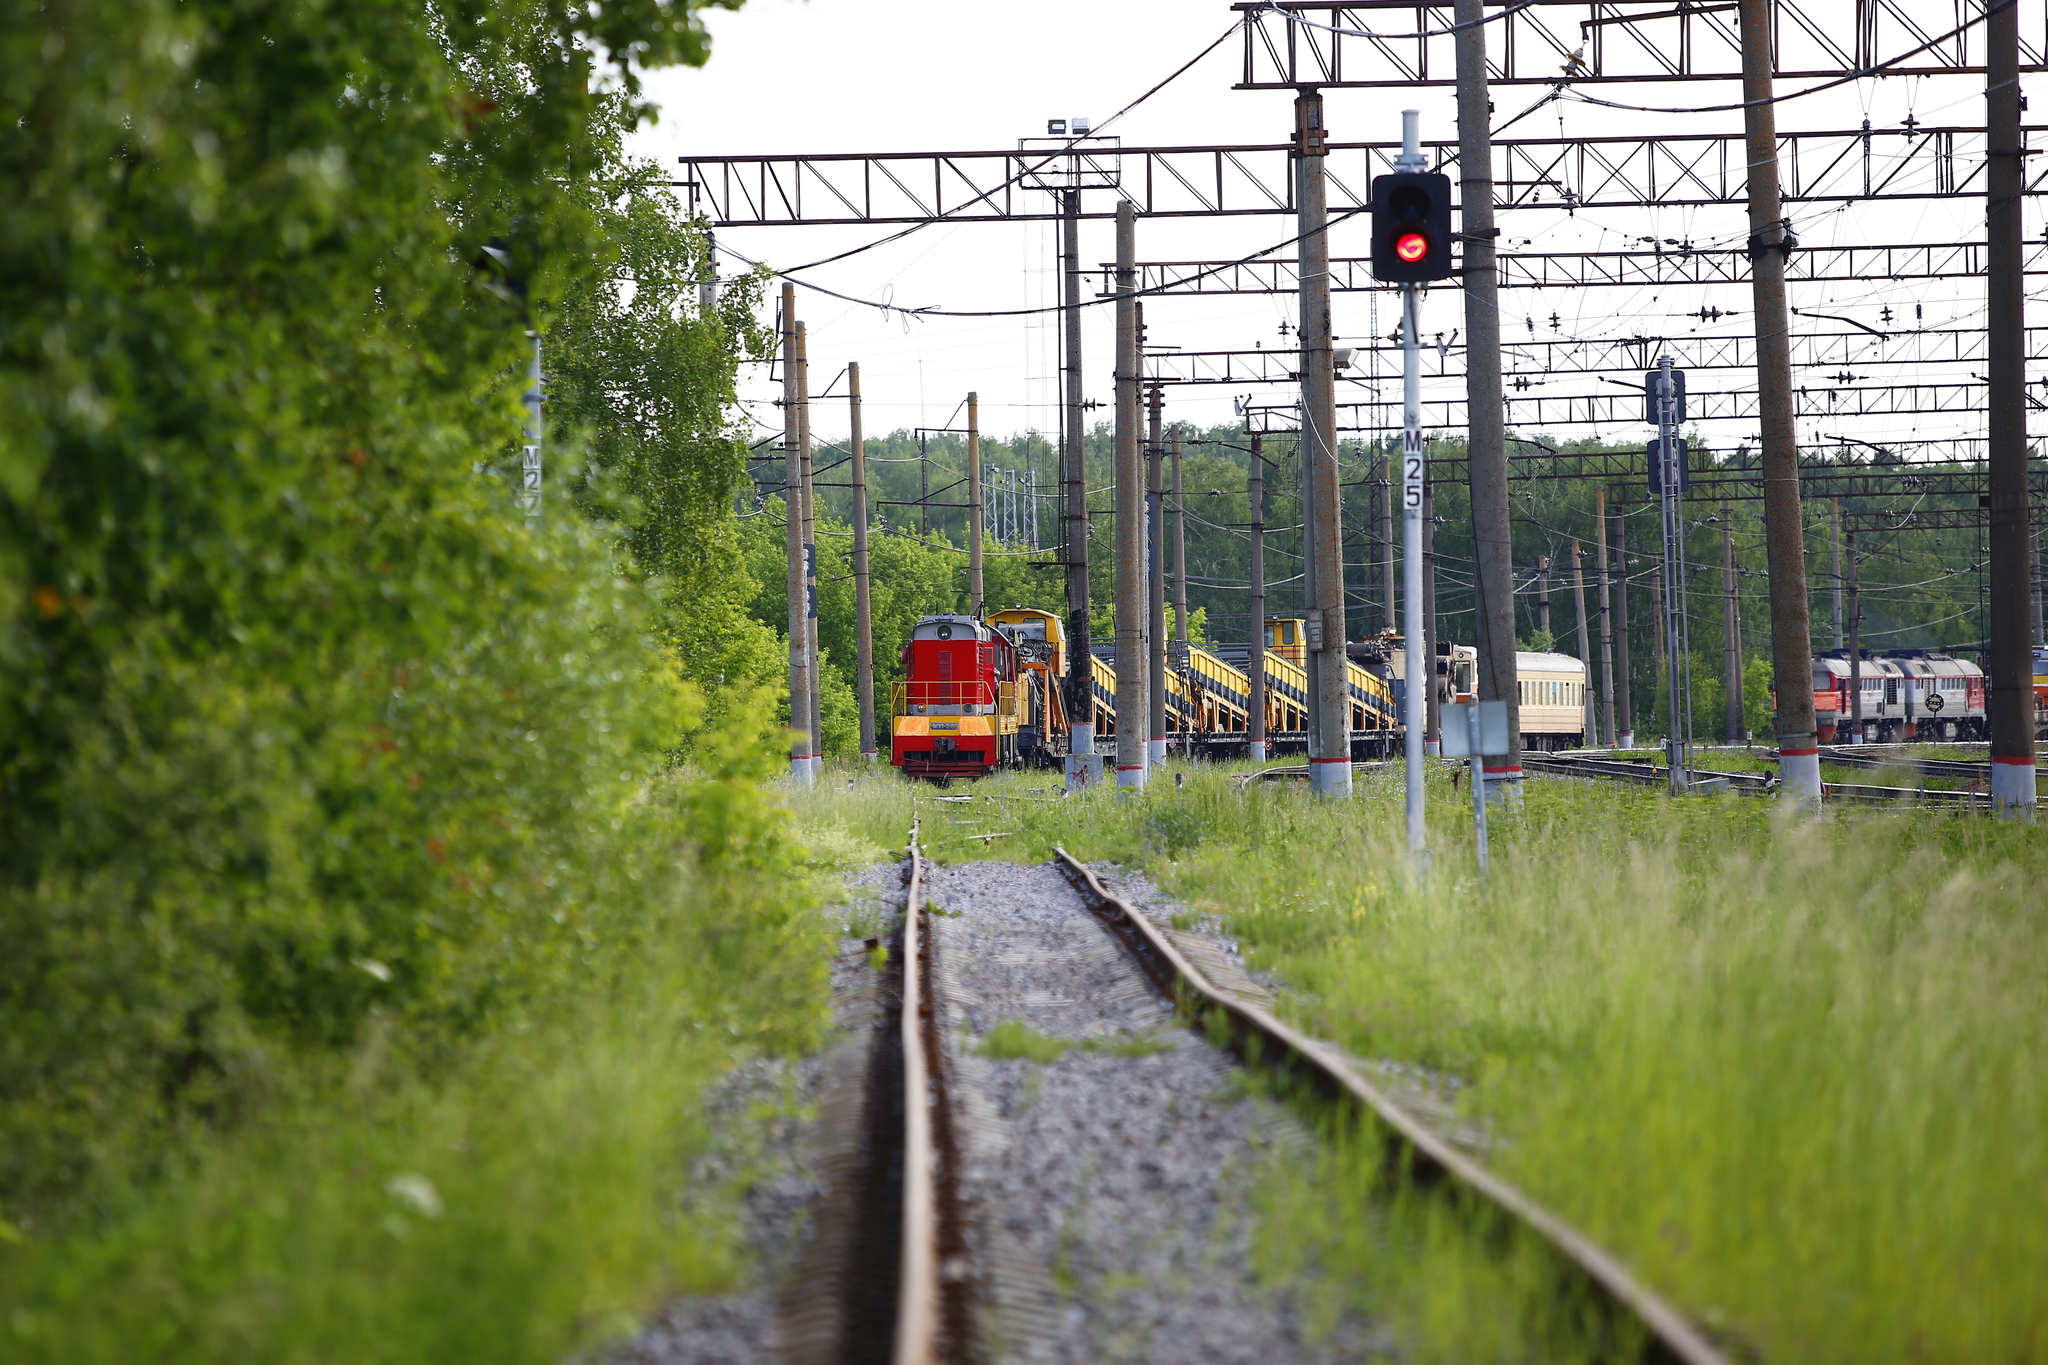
[304, 736]
[644, 377]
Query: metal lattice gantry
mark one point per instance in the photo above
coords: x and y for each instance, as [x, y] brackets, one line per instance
[1223, 181]
[1679, 264]
[1337, 45]
[1603, 358]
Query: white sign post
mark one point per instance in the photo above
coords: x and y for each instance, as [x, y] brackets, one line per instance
[1470, 731]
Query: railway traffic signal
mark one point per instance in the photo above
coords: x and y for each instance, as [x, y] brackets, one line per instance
[1411, 227]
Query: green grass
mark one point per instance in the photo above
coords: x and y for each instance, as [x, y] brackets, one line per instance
[1791, 1073]
[1013, 1039]
[521, 1200]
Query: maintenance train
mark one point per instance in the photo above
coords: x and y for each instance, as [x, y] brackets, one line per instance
[979, 695]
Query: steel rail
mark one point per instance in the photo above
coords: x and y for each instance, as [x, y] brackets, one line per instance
[1672, 1337]
[917, 1285]
[1758, 784]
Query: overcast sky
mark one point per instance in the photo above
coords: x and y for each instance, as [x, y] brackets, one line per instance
[818, 76]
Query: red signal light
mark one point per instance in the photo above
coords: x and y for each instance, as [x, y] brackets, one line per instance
[1411, 247]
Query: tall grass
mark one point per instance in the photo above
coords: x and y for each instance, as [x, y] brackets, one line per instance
[1792, 1073]
[514, 1201]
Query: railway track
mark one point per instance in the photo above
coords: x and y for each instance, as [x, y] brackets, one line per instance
[936, 1315]
[1762, 784]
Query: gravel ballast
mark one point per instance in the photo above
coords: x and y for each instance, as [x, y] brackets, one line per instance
[1106, 1185]
[1108, 1190]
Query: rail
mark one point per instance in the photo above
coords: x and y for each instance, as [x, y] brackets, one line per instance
[1761, 784]
[917, 1284]
[1258, 1034]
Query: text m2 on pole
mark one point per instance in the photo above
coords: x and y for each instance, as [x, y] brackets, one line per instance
[1411, 227]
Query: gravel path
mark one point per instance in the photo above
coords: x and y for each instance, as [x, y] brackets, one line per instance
[1108, 1188]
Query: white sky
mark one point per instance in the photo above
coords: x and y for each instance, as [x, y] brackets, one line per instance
[817, 76]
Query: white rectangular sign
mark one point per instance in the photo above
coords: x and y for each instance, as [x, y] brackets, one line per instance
[1493, 729]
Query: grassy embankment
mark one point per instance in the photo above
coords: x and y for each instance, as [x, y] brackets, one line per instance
[515, 1199]
[1792, 1074]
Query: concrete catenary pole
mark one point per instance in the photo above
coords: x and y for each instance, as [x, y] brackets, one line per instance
[1131, 645]
[1255, 662]
[1543, 593]
[1855, 650]
[1155, 570]
[1180, 558]
[1624, 706]
[1836, 543]
[2010, 677]
[1608, 734]
[863, 608]
[974, 512]
[1589, 725]
[1493, 565]
[1731, 626]
[1322, 493]
[1770, 242]
[1677, 692]
[803, 441]
[1433, 736]
[1080, 685]
[707, 282]
[793, 519]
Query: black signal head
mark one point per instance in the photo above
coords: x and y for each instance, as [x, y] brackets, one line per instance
[1411, 227]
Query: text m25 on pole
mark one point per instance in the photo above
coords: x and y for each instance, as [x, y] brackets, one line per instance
[1411, 227]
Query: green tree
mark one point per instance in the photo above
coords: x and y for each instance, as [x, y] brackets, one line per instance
[300, 725]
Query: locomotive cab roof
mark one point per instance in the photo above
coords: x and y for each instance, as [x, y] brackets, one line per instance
[951, 628]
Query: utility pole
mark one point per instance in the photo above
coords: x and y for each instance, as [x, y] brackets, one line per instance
[1611, 736]
[863, 612]
[1671, 464]
[1589, 726]
[974, 511]
[1080, 683]
[793, 519]
[1493, 564]
[1433, 737]
[1625, 716]
[707, 283]
[1131, 696]
[1255, 663]
[803, 441]
[1731, 627]
[1836, 541]
[1855, 650]
[1770, 243]
[1180, 559]
[1155, 568]
[1414, 633]
[2010, 677]
[1329, 761]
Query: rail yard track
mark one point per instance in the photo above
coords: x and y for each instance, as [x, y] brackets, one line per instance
[954, 1296]
[1761, 784]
